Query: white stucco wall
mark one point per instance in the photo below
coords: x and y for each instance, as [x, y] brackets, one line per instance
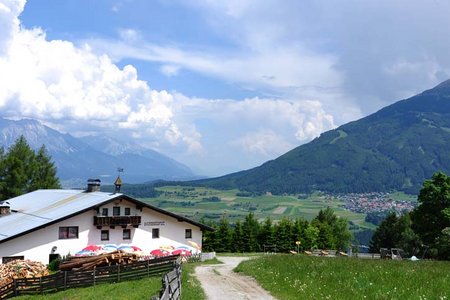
[37, 245]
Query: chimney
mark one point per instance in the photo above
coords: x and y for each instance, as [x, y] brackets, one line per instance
[93, 185]
[4, 208]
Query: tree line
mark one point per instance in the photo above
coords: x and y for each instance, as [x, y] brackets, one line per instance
[23, 170]
[325, 231]
[425, 231]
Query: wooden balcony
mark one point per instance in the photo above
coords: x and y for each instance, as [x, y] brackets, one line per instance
[123, 221]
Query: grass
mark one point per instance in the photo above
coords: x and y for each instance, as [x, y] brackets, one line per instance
[304, 277]
[191, 288]
[193, 203]
[129, 290]
[237, 254]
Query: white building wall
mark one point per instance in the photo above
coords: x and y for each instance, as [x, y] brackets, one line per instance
[37, 245]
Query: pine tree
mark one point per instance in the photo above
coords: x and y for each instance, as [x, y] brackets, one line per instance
[23, 171]
[266, 234]
[44, 175]
[18, 166]
[223, 236]
[237, 244]
[250, 229]
[283, 235]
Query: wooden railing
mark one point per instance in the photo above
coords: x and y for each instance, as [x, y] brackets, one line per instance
[70, 279]
[117, 221]
[171, 289]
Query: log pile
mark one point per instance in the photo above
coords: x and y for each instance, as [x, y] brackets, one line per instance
[105, 259]
[21, 269]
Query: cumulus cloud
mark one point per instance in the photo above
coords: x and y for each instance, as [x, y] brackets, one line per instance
[77, 89]
[58, 82]
[264, 142]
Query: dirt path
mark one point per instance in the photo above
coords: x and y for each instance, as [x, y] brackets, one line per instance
[220, 282]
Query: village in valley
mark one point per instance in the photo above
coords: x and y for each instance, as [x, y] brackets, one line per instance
[373, 202]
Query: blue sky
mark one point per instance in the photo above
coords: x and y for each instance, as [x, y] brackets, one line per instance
[218, 85]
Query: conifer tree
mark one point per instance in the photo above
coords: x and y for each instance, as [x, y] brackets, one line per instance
[266, 233]
[237, 244]
[44, 175]
[250, 229]
[23, 171]
[223, 236]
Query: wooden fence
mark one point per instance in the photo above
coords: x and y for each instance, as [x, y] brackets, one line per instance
[171, 289]
[70, 279]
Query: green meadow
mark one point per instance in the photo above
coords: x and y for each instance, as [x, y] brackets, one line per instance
[305, 277]
[128, 290]
[212, 204]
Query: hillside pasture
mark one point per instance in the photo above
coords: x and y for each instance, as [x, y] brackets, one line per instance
[212, 204]
[305, 277]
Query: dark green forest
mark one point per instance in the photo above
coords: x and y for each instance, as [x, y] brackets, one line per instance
[23, 170]
[325, 231]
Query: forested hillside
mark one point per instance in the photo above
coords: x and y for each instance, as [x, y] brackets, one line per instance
[396, 148]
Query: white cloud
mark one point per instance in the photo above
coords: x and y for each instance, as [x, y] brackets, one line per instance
[276, 68]
[264, 142]
[130, 35]
[170, 70]
[60, 83]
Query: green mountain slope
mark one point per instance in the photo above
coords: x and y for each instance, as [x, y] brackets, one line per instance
[396, 148]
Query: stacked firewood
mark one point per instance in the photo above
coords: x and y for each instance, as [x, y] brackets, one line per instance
[91, 262]
[21, 269]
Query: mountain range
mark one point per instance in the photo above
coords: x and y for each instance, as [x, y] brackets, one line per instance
[396, 148]
[78, 159]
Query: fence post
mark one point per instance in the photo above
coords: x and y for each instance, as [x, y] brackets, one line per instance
[179, 278]
[118, 273]
[65, 280]
[148, 267]
[93, 274]
[15, 287]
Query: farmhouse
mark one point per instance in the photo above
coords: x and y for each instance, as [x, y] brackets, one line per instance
[45, 223]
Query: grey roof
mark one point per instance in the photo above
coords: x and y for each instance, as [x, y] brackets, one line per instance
[43, 207]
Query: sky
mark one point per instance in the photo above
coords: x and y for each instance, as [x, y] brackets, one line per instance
[220, 86]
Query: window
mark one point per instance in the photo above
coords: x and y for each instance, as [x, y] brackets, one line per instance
[188, 233]
[104, 236]
[127, 234]
[127, 211]
[155, 233]
[116, 211]
[104, 212]
[69, 232]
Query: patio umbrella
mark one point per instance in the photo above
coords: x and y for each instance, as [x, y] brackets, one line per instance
[182, 252]
[159, 252]
[136, 248]
[167, 247]
[184, 247]
[109, 247]
[84, 253]
[125, 248]
[195, 245]
[92, 248]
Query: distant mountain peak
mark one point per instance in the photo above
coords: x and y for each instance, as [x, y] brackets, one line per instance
[91, 157]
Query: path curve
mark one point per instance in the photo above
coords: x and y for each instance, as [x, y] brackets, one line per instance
[220, 282]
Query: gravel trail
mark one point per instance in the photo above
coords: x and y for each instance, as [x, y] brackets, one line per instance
[220, 282]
